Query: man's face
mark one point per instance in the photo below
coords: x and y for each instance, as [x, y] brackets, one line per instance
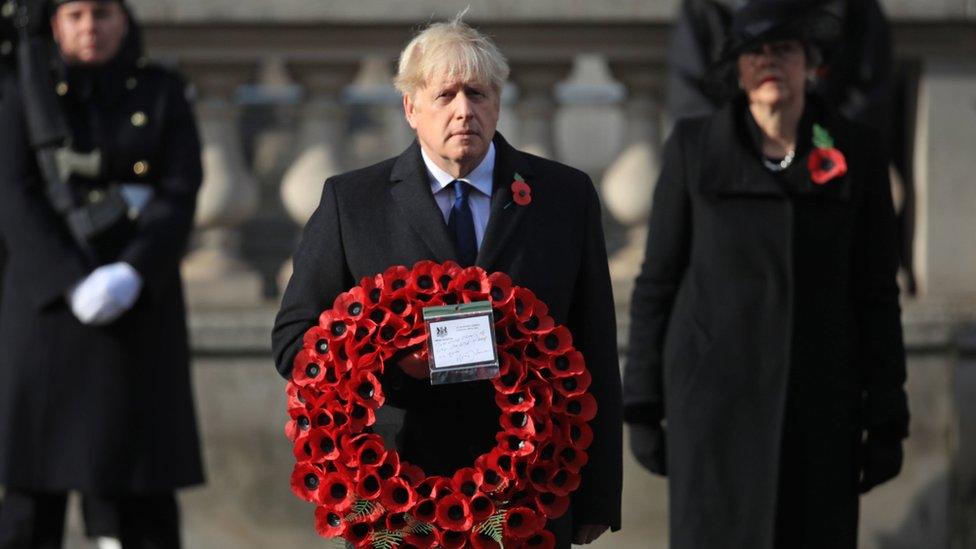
[455, 122]
[89, 32]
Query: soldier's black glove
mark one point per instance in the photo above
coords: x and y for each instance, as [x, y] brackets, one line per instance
[648, 444]
[881, 459]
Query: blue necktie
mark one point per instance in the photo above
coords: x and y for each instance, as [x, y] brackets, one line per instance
[462, 223]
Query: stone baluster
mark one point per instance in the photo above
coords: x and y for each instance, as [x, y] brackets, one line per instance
[536, 108]
[322, 131]
[628, 184]
[214, 272]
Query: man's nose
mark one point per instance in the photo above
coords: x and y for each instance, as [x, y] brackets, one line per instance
[463, 106]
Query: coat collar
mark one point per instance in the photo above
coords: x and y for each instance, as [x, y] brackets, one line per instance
[732, 163]
[411, 191]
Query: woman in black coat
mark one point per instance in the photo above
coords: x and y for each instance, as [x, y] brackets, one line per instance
[95, 396]
[765, 336]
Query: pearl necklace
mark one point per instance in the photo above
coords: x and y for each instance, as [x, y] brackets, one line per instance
[782, 164]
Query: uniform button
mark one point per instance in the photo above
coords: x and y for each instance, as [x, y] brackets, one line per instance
[62, 88]
[130, 83]
[140, 167]
[96, 196]
[6, 48]
[139, 119]
[8, 9]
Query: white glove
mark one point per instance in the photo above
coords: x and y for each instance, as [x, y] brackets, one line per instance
[105, 294]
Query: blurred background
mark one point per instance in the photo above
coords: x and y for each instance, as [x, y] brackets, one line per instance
[289, 92]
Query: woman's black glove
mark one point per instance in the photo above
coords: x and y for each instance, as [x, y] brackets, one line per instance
[881, 459]
[648, 444]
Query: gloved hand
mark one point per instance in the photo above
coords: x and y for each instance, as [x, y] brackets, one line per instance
[648, 444]
[881, 459]
[105, 294]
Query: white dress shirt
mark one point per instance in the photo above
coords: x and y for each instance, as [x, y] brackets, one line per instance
[479, 199]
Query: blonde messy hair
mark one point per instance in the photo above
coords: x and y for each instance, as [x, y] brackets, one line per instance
[451, 50]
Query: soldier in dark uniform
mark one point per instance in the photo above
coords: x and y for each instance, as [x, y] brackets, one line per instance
[95, 389]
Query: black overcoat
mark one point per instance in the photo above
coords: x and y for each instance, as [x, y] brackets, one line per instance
[99, 409]
[384, 215]
[766, 319]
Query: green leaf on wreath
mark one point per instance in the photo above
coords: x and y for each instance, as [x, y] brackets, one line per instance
[494, 527]
[385, 539]
[362, 509]
[821, 138]
[417, 527]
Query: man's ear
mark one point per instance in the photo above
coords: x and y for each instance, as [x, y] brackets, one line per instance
[409, 110]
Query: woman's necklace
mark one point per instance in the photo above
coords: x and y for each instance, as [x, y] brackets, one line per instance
[782, 164]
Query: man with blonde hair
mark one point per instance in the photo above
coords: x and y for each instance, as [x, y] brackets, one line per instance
[449, 196]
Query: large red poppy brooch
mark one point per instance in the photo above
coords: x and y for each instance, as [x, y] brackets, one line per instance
[521, 192]
[363, 492]
[826, 162]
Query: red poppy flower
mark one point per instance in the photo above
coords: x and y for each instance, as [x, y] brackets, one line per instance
[419, 540]
[454, 513]
[450, 539]
[514, 444]
[472, 284]
[500, 288]
[336, 325]
[369, 485]
[511, 374]
[467, 481]
[299, 423]
[329, 523]
[425, 510]
[567, 364]
[577, 433]
[390, 467]
[579, 406]
[563, 482]
[392, 328]
[493, 477]
[826, 164]
[552, 505]
[316, 339]
[520, 523]
[428, 277]
[307, 368]
[359, 532]
[397, 495]
[521, 192]
[336, 492]
[366, 389]
[539, 475]
[542, 424]
[373, 289]
[571, 458]
[524, 302]
[537, 321]
[366, 451]
[352, 304]
[519, 424]
[395, 280]
[323, 445]
[573, 385]
[543, 539]
[411, 473]
[397, 521]
[541, 392]
[480, 540]
[557, 341]
[519, 401]
[306, 480]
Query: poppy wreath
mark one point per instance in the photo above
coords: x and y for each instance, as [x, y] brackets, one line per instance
[363, 492]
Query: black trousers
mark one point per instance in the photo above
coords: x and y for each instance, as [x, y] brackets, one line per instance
[35, 520]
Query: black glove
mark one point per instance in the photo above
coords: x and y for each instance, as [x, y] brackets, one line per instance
[648, 444]
[881, 459]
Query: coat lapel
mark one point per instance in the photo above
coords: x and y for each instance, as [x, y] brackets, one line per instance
[505, 215]
[411, 192]
[731, 167]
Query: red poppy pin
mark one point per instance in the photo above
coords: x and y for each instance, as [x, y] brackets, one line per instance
[521, 191]
[826, 162]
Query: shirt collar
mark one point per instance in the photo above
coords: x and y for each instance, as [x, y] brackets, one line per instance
[479, 178]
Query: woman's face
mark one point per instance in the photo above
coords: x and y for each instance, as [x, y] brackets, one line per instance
[773, 73]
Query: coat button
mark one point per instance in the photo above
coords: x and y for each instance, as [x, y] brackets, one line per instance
[139, 119]
[62, 88]
[141, 167]
[6, 47]
[95, 196]
[8, 9]
[130, 83]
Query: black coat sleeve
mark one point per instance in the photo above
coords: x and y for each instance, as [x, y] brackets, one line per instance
[320, 274]
[665, 262]
[881, 347]
[593, 324]
[164, 226]
[31, 229]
